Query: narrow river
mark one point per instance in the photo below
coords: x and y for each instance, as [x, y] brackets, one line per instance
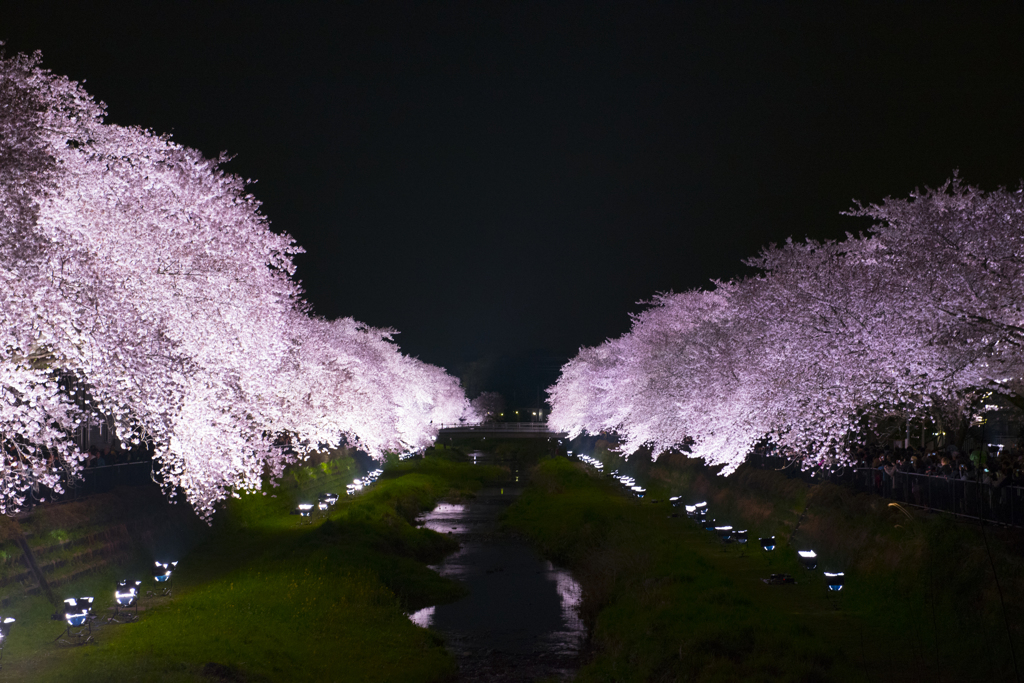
[520, 620]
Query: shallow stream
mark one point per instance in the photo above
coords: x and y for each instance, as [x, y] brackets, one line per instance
[520, 620]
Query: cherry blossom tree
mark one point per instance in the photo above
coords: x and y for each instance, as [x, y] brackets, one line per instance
[488, 406]
[960, 254]
[915, 319]
[143, 285]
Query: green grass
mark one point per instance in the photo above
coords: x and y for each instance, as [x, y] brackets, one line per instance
[668, 602]
[267, 599]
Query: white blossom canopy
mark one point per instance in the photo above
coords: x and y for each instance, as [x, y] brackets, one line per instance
[142, 285]
[918, 318]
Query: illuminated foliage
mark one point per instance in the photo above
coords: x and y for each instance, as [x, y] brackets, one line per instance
[915, 319]
[141, 284]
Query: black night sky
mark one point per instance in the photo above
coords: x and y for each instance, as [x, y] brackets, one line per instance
[503, 182]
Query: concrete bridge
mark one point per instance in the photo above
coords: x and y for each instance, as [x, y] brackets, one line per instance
[498, 430]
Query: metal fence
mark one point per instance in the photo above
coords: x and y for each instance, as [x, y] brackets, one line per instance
[532, 427]
[964, 497]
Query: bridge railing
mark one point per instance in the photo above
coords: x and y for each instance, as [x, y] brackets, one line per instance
[499, 426]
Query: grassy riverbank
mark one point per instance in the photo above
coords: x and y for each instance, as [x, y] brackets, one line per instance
[267, 599]
[668, 602]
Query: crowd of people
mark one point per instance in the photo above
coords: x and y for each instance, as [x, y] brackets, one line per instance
[993, 465]
[986, 482]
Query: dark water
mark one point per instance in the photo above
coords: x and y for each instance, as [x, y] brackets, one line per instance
[519, 621]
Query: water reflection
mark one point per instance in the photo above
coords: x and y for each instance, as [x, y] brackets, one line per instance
[423, 617]
[520, 620]
[567, 640]
[446, 518]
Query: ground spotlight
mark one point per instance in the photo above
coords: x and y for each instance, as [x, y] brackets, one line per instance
[768, 544]
[5, 629]
[162, 574]
[77, 611]
[326, 501]
[808, 558]
[741, 536]
[78, 614]
[724, 533]
[162, 571]
[834, 581]
[126, 596]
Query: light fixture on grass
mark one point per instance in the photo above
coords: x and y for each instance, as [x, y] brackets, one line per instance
[162, 574]
[77, 611]
[691, 510]
[162, 571]
[741, 536]
[5, 630]
[768, 544]
[808, 558]
[326, 501]
[126, 597]
[708, 523]
[835, 581]
[724, 533]
[305, 511]
[78, 615]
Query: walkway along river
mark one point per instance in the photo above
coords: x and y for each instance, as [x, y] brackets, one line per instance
[520, 620]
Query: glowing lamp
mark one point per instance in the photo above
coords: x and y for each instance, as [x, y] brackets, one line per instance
[304, 509]
[5, 628]
[724, 532]
[808, 558]
[834, 581]
[327, 500]
[768, 544]
[162, 571]
[741, 536]
[691, 510]
[126, 593]
[77, 610]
